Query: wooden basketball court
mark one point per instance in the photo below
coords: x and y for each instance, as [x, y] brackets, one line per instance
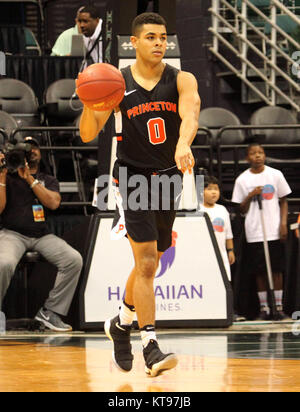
[245, 357]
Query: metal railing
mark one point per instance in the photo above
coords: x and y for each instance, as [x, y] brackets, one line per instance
[74, 150]
[239, 27]
[235, 147]
[207, 147]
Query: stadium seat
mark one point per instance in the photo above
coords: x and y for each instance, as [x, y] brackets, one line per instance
[274, 115]
[286, 23]
[289, 26]
[214, 118]
[281, 152]
[261, 4]
[62, 109]
[7, 123]
[254, 18]
[18, 99]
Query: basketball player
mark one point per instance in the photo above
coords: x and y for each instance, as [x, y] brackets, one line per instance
[159, 119]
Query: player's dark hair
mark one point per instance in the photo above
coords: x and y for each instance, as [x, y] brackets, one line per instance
[211, 180]
[146, 18]
[253, 144]
[92, 10]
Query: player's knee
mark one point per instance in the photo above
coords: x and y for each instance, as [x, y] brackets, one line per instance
[148, 267]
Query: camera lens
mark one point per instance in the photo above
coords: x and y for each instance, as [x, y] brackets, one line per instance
[15, 159]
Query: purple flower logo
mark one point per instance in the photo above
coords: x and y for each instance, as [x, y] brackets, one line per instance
[168, 257]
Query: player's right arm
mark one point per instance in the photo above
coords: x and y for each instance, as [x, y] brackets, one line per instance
[91, 123]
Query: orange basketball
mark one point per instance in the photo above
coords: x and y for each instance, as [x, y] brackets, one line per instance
[100, 86]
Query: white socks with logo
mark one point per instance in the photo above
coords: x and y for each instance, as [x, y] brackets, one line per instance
[263, 299]
[127, 314]
[147, 334]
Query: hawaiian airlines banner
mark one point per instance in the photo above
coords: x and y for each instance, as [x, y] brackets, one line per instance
[188, 285]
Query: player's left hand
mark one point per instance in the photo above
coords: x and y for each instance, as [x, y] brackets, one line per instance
[184, 158]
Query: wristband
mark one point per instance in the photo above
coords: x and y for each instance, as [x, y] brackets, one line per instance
[3, 184]
[230, 250]
[34, 183]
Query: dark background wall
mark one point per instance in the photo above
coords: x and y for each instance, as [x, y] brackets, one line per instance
[193, 21]
[61, 14]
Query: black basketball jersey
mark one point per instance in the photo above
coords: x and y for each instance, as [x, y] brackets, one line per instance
[149, 131]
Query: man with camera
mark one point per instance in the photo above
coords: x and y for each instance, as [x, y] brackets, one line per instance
[25, 195]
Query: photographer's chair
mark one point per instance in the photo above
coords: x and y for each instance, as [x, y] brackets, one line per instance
[28, 258]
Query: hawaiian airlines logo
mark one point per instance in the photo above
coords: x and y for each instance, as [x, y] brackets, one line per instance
[169, 295]
[268, 192]
[168, 257]
[218, 224]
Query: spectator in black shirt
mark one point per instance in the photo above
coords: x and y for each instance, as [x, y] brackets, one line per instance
[25, 197]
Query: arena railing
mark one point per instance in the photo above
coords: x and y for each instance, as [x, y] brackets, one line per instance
[74, 149]
[206, 163]
[236, 147]
[239, 47]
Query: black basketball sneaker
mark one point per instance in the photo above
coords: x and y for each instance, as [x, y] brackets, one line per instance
[156, 361]
[120, 336]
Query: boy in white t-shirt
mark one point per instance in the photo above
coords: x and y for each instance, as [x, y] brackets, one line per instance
[220, 220]
[270, 184]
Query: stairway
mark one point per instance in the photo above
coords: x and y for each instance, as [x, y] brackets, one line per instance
[255, 40]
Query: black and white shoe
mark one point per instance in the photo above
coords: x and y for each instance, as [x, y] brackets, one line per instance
[239, 318]
[264, 314]
[52, 321]
[156, 361]
[120, 336]
[280, 315]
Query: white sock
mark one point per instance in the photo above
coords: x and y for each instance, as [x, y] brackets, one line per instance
[278, 297]
[127, 314]
[263, 300]
[147, 334]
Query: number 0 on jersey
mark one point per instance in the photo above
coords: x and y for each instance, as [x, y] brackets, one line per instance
[157, 130]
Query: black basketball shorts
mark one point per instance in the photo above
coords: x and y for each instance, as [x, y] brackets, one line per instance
[147, 202]
[256, 257]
